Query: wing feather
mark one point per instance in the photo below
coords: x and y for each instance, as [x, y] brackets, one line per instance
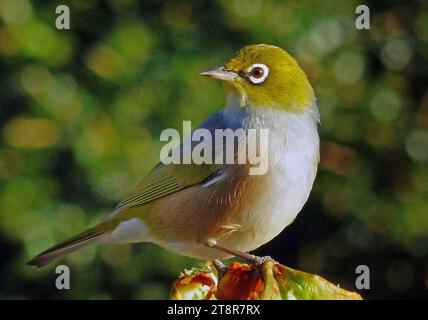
[167, 179]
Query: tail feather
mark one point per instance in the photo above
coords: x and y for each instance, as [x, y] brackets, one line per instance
[83, 239]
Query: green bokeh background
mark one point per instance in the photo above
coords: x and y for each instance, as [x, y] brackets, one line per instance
[81, 111]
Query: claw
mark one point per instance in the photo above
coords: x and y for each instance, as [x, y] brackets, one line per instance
[220, 267]
[259, 261]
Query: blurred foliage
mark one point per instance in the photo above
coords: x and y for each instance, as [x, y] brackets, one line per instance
[271, 281]
[81, 111]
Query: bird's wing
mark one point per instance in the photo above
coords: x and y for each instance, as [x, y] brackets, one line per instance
[166, 179]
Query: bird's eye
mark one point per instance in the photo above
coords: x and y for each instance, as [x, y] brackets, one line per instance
[258, 73]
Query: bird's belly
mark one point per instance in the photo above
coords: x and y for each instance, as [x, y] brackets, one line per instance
[287, 190]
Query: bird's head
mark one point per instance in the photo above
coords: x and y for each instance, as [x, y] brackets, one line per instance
[266, 76]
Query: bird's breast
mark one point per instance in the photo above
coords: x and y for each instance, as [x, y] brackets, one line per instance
[281, 193]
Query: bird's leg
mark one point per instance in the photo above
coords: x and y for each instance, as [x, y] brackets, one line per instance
[257, 261]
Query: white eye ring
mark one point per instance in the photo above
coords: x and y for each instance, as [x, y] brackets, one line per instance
[264, 75]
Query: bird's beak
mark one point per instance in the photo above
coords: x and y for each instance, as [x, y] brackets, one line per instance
[220, 73]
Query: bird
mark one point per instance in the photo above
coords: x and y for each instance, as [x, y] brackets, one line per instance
[212, 211]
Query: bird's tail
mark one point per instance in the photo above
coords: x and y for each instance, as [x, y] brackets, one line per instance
[75, 243]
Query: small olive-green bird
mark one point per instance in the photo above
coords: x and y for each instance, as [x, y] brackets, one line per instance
[215, 211]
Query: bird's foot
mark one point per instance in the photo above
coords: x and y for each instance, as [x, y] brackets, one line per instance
[258, 261]
[220, 267]
[252, 259]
